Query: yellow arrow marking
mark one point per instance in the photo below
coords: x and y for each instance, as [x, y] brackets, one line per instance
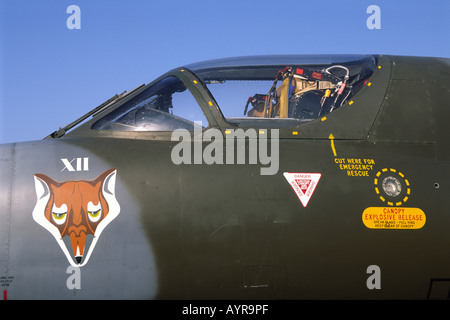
[331, 137]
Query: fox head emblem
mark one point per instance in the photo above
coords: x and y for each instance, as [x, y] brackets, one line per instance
[76, 212]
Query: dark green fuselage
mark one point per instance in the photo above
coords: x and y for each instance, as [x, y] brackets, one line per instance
[224, 231]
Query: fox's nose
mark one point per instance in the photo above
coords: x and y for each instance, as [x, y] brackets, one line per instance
[78, 258]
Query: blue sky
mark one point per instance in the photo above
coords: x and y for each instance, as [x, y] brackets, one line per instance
[51, 75]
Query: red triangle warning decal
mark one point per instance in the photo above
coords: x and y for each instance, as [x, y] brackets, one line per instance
[303, 184]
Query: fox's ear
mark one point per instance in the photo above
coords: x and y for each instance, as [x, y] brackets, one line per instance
[108, 181]
[42, 184]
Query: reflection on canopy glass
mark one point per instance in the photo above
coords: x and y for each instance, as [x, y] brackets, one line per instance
[164, 106]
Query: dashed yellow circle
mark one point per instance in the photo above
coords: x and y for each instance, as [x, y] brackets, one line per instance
[396, 200]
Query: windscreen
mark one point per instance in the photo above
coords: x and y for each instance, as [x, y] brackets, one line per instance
[164, 106]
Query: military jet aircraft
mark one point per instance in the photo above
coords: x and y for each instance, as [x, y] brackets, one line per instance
[265, 177]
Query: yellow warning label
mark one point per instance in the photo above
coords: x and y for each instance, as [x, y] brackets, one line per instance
[393, 218]
[355, 167]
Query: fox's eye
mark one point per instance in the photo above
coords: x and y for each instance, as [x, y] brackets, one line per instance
[59, 214]
[58, 217]
[94, 212]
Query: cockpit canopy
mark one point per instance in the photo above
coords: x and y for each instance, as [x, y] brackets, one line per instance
[287, 90]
